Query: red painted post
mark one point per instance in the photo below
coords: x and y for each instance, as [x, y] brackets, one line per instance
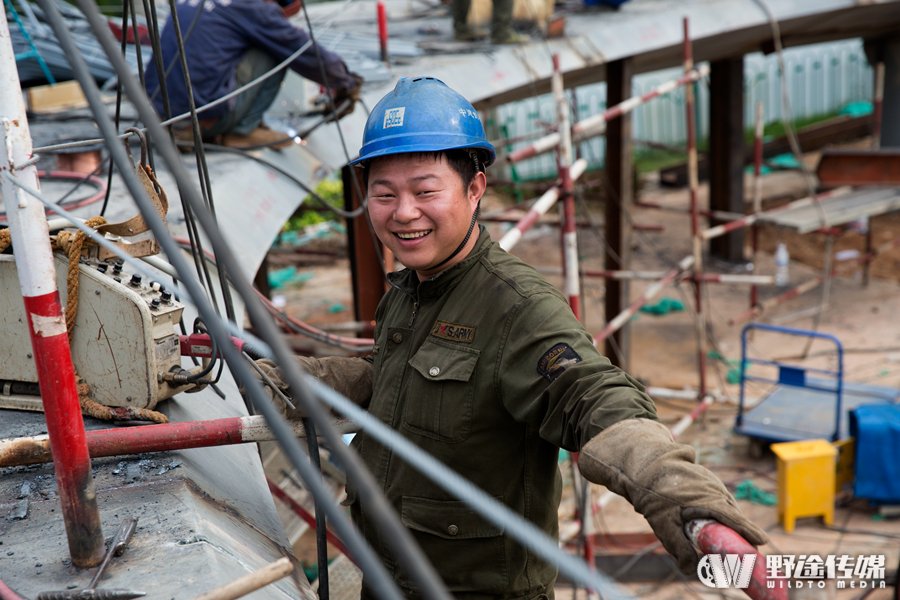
[307, 517]
[382, 31]
[757, 192]
[46, 322]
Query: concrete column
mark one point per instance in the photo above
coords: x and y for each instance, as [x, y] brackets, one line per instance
[726, 152]
[619, 198]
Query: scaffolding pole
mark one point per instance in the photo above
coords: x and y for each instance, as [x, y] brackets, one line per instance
[694, 180]
[811, 284]
[651, 291]
[595, 125]
[539, 208]
[157, 438]
[30, 237]
[757, 194]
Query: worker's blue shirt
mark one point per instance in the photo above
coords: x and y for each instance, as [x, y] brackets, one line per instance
[223, 33]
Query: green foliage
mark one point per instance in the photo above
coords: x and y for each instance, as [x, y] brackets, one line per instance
[330, 190]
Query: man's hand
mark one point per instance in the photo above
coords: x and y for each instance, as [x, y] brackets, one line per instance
[638, 459]
[348, 96]
[351, 377]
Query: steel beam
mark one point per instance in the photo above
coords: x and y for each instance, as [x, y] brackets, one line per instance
[619, 198]
[890, 115]
[859, 167]
[367, 272]
[726, 152]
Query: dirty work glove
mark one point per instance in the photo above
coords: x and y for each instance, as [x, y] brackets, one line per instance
[639, 460]
[351, 377]
[351, 93]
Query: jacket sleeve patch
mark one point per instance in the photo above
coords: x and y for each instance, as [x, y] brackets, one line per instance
[556, 360]
[454, 332]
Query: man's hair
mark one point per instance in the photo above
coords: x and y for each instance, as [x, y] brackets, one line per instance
[459, 160]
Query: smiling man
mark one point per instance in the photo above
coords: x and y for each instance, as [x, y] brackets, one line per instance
[481, 363]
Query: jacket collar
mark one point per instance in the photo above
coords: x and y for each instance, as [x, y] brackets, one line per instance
[407, 281]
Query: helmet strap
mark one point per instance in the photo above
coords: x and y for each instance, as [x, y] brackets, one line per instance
[479, 167]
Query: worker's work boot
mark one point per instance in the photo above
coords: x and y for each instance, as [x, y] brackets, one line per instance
[510, 37]
[184, 139]
[261, 136]
[469, 33]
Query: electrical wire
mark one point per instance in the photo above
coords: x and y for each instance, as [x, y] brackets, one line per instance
[411, 556]
[295, 325]
[293, 178]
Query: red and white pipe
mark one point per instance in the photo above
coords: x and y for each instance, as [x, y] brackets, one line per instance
[719, 230]
[46, 322]
[596, 125]
[569, 235]
[651, 291]
[539, 208]
[156, 438]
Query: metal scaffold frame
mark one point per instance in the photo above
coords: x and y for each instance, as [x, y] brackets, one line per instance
[28, 227]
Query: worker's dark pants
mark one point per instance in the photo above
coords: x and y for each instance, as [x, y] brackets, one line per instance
[501, 17]
[251, 104]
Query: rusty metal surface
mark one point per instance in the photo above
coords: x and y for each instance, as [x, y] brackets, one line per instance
[859, 167]
[186, 542]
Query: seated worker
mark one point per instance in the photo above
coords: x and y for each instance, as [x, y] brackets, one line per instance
[480, 362]
[229, 45]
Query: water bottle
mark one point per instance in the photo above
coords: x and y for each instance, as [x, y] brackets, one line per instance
[782, 260]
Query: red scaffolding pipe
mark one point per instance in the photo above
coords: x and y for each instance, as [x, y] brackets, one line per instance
[154, 438]
[616, 323]
[594, 126]
[811, 284]
[307, 517]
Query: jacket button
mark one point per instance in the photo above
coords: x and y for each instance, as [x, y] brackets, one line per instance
[453, 530]
[397, 338]
[434, 371]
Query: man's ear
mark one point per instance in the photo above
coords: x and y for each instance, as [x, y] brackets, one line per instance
[477, 188]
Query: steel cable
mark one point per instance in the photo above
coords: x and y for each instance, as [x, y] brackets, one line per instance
[410, 554]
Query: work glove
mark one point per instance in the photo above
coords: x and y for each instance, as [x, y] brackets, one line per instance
[639, 460]
[351, 377]
[351, 93]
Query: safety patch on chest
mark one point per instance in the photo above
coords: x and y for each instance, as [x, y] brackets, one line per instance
[454, 332]
[556, 360]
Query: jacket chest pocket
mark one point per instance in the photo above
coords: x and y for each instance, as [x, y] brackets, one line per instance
[440, 392]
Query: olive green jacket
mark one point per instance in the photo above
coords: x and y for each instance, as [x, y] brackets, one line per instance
[485, 367]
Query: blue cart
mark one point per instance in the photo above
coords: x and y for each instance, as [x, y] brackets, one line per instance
[804, 403]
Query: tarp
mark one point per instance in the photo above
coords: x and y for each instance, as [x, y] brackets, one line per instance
[876, 429]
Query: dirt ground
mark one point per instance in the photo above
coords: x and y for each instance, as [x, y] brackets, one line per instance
[665, 354]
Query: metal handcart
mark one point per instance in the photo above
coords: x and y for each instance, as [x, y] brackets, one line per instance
[804, 402]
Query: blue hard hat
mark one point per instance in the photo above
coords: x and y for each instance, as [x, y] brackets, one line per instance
[423, 115]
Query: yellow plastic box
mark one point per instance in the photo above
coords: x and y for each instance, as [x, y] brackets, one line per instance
[806, 481]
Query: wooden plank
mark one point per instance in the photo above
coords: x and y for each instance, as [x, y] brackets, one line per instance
[837, 211]
[55, 98]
